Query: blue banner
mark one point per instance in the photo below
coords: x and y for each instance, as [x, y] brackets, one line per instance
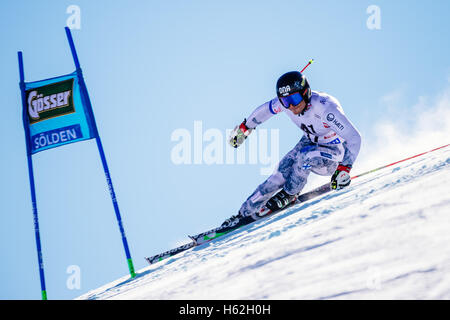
[57, 113]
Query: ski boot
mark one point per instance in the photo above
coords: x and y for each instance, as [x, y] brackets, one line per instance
[237, 219]
[279, 201]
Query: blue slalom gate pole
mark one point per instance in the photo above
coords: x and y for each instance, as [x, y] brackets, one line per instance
[31, 176]
[85, 97]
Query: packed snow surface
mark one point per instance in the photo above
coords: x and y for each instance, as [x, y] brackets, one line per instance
[386, 236]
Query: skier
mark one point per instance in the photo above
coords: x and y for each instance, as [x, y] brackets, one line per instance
[329, 146]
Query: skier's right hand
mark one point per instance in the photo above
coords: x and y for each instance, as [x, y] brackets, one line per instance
[239, 134]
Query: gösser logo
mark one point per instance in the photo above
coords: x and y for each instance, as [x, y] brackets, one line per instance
[50, 101]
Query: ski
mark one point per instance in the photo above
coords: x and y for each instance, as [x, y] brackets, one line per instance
[170, 253]
[215, 233]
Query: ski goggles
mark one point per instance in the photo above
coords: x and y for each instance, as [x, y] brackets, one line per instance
[293, 99]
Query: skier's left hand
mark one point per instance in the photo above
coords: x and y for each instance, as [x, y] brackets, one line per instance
[341, 177]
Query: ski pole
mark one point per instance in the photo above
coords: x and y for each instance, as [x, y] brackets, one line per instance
[391, 164]
[310, 62]
[327, 187]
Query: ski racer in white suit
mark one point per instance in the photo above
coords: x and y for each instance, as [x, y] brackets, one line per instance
[329, 146]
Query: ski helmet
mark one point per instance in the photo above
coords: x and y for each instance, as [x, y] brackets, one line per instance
[292, 88]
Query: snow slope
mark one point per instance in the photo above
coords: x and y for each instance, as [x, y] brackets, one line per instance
[387, 236]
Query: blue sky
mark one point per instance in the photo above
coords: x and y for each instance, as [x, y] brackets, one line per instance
[155, 67]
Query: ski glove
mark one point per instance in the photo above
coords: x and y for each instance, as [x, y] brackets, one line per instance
[340, 178]
[239, 134]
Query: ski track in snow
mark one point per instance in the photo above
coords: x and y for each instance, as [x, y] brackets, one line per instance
[385, 236]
